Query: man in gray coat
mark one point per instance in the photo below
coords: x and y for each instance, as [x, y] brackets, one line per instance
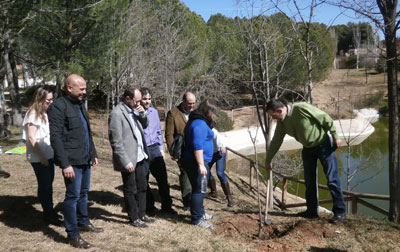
[130, 153]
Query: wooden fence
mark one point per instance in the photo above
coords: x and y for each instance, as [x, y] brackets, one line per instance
[354, 197]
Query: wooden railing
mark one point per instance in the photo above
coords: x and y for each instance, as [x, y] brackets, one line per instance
[354, 197]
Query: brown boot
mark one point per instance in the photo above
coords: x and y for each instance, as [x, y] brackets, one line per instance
[228, 194]
[213, 188]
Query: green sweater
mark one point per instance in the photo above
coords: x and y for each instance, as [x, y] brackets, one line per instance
[306, 123]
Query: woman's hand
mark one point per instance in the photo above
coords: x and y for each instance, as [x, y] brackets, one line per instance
[202, 169]
[44, 161]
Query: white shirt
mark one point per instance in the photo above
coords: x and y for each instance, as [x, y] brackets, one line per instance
[42, 137]
[217, 140]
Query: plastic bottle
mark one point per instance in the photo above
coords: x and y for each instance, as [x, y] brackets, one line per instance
[204, 184]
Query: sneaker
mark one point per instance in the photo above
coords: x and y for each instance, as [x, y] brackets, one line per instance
[337, 219]
[205, 224]
[307, 215]
[207, 217]
[147, 219]
[138, 223]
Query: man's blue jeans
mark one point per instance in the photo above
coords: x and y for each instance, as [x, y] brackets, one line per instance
[219, 160]
[75, 202]
[325, 152]
[197, 202]
[45, 177]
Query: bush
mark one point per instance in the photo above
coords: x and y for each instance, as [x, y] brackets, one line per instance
[224, 122]
[381, 65]
[351, 62]
[376, 100]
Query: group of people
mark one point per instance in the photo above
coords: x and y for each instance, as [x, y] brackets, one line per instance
[58, 132]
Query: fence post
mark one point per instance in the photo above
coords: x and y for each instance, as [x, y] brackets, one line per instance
[284, 190]
[354, 205]
[271, 191]
[251, 174]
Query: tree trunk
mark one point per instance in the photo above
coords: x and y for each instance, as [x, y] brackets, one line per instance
[16, 102]
[388, 10]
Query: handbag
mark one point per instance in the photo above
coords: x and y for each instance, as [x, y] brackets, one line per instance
[176, 148]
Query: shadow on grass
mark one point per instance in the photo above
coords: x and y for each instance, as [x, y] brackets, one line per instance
[106, 198]
[315, 249]
[18, 212]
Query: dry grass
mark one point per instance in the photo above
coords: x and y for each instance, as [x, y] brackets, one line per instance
[22, 228]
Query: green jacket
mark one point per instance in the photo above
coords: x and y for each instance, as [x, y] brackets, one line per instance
[306, 123]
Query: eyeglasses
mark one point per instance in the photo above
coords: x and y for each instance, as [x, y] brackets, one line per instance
[49, 100]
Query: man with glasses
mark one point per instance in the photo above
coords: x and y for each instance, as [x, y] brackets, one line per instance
[130, 153]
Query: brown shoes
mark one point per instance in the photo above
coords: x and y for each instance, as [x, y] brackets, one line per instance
[90, 228]
[79, 243]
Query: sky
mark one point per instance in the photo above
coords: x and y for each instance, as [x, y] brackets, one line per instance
[328, 15]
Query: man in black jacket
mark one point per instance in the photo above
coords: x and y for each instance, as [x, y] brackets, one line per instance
[75, 153]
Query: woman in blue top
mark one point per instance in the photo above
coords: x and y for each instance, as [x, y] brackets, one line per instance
[197, 154]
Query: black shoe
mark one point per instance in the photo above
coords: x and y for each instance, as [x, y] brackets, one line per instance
[90, 228]
[168, 210]
[4, 174]
[307, 215]
[337, 219]
[54, 219]
[147, 219]
[139, 223]
[151, 212]
[79, 243]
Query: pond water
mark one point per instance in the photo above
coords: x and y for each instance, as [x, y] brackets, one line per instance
[369, 161]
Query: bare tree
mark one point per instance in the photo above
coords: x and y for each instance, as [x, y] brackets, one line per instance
[357, 43]
[302, 27]
[385, 16]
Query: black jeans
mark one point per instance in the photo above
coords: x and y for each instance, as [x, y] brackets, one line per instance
[159, 171]
[134, 188]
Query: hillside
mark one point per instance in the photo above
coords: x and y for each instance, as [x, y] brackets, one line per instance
[236, 229]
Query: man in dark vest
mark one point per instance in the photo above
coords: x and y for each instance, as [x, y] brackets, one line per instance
[74, 152]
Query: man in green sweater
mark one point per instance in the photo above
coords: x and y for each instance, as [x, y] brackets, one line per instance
[310, 126]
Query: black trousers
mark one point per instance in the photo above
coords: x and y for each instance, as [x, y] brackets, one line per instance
[134, 188]
[159, 171]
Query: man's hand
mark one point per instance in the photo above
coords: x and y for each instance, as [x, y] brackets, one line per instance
[268, 167]
[202, 169]
[68, 172]
[338, 143]
[95, 162]
[139, 108]
[130, 168]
